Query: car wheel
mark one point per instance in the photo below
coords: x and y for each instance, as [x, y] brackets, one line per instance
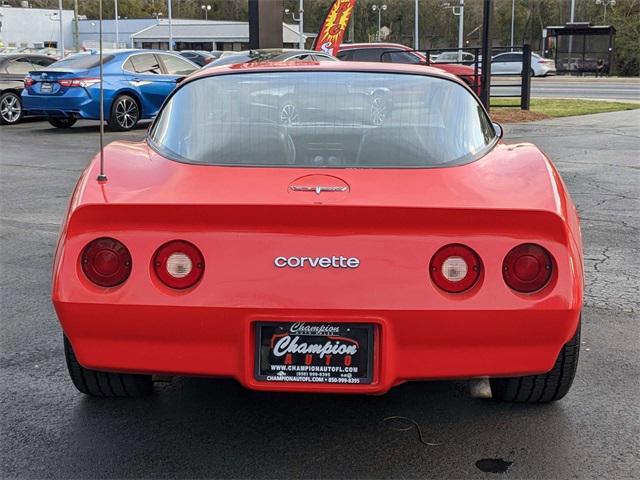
[105, 384]
[547, 387]
[533, 73]
[125, 113]
[10, 108]
[62, 122]
[289, 114]
[379, 110]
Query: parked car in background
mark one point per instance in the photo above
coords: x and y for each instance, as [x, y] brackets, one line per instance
[464, 58]
[199, 57]
[397, 53]
[511, 63]
[136, 82]
[273, 55]
[13, 68]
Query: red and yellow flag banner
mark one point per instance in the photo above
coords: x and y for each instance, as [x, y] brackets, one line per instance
[334, 27]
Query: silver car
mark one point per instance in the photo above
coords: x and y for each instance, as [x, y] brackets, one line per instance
[511, 63]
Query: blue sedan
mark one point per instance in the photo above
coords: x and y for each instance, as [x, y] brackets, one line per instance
[136, 82]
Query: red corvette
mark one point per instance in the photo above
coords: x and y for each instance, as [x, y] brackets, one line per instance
[317, 227]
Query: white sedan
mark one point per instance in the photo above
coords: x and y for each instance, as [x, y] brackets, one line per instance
[511, 63]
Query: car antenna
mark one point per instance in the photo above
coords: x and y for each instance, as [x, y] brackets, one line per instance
[102, 177]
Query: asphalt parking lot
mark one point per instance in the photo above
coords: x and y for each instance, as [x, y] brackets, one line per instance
[200, 428]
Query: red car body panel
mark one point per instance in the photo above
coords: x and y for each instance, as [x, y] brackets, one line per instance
[393, 220]
[466, 72]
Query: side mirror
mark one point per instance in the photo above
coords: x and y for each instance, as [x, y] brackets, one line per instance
[499, 130]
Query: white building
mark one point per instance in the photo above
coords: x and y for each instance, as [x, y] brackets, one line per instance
[206, 35]
[39, 28]
[90, 30]
[35, 27]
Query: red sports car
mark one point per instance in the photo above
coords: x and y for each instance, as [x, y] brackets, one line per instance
[348, 246]
[398, 53]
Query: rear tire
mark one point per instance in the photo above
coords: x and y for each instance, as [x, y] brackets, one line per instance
[10, 108]
[125, 113]
[105, 384]
[62, 122]
[547, 387]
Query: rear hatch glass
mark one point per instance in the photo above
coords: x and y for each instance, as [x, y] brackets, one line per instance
[323, 119]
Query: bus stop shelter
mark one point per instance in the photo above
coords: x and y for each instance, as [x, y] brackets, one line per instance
[578, 47]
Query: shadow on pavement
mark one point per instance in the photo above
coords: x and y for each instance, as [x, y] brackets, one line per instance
[205, 428]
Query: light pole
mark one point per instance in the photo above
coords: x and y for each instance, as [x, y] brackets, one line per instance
[605, 4]
[416, 26]
[170, 25]
[513, 20]
[76, 33]
[117, 28]
[61, 30]
[458, 11]
[207, 9]
[300, 20]
[379, 9]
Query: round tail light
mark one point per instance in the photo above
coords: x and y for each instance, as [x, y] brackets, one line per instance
[455, 268]
[178, 264]
[527, 268]
[106, 262]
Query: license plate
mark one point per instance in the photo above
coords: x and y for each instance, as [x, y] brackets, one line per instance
[46, 87]
[310, 352]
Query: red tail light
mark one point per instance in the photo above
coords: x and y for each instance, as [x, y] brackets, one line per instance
[527, 268]
[28, 81]
[79, 82]
[106, 262]
[178, 264]
[455, 268]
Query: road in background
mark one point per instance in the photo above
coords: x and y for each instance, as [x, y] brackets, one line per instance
[200, 428]
[621, 89]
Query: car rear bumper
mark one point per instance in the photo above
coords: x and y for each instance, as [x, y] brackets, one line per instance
[76, 104]
[408, 345]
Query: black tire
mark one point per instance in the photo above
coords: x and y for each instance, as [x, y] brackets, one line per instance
[105, 384]
[10, 108]
[125, 113]
[62, 122]
[533, 74]
[547, 387]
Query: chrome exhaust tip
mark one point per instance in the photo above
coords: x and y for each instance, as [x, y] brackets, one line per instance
[480, 387]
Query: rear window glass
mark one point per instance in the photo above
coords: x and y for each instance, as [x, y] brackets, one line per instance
[323, 119]
[83, 61]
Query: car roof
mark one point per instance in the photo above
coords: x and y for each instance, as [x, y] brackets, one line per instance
[350, 46]
[376, 67]
[8, 56]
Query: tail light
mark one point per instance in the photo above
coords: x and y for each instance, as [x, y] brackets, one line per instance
[178, 264]
[455, 268]
[106, 262]
[527, 268]
[28, 81]
[79, 82]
